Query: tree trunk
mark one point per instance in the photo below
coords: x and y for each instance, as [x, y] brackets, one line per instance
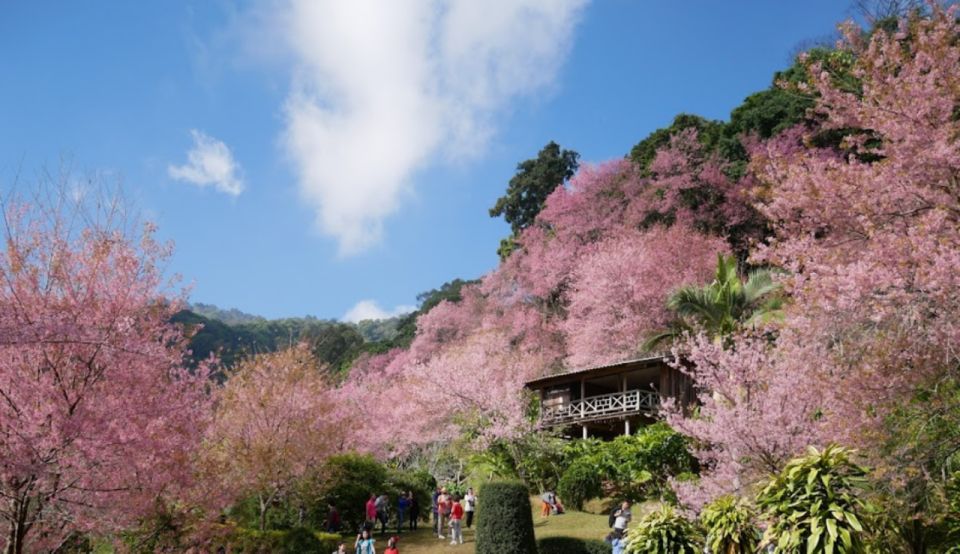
[19, 528]
[264, 505]
[918, 542]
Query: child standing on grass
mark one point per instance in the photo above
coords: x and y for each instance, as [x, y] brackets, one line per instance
[392, 546]
[456, 516]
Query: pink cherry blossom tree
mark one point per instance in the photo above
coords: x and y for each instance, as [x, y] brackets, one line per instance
[99, 416]
[276, 420]
[870, 236]
[617, 294]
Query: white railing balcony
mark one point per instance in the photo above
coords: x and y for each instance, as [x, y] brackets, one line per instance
[605, 406]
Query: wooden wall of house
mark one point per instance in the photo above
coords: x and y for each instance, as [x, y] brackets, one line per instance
[677, 385]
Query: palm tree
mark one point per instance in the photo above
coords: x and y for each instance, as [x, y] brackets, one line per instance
[723, 306]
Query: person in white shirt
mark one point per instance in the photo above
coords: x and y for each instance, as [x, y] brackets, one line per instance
[623, 517]
[469, 505]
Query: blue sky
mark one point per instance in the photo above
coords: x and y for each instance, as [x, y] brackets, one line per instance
[348, 152]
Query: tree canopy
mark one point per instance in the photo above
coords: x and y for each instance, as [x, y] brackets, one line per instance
[528, 190]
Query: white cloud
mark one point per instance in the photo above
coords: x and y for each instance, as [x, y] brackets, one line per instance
[381, 88]
[369, 309]
[209, 162]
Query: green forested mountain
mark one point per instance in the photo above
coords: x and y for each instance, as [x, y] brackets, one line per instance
[232, 334]
[230, 316]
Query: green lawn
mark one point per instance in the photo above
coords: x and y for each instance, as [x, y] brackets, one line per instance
[571, 524]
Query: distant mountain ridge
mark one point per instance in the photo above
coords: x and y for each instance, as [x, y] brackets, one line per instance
[230, 316]
[232, 334]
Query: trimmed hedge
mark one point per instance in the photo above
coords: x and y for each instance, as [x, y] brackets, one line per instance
[295, 541]
[570, 545]
[504, 520]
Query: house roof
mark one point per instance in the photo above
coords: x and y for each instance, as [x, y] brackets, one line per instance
[594, 371]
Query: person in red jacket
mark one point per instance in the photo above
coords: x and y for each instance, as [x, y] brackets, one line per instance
[371, 513]
[392, 546]
[456, 516]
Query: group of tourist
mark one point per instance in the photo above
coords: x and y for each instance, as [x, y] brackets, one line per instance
[377, 509]
[365, 544]
[449, 510]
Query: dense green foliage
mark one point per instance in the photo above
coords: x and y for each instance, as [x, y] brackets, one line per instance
[570, 545]
[504, 519]
[924, 433]
[763, 114]
[579, 483]
[230, 316]
[709, 133]
[730, 526]
[527, 191]
[815, 504]
[726, 304]
[333, 343]
[635, 467]
[293, 541]
[663, 531]
[953, 512]
[345, 481]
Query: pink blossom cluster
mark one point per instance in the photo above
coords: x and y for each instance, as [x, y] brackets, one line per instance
[99, 416]
[870, 235]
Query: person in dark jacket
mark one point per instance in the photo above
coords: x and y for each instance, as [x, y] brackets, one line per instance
[414, 510]
[403, 510]
[333, 519]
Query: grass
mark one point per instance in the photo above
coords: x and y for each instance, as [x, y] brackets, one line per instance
[571, 524]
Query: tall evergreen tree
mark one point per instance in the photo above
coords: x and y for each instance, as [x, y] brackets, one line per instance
[528, 190]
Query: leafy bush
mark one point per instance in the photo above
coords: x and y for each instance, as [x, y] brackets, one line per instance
[570, 545]
[350, 478]
[299, 539]
[663, 532]
[579, 483]
[344, 480]
[167, 529]
[814, 506]
[953, 512]
[639, 466]
[537, 459]
[420, 483]
[294, 541]
[284, 514]
[730, 526]
[504, 520]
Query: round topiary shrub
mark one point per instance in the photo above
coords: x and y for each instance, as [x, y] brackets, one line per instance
[579, 483]
[505, 520]
[570, 545]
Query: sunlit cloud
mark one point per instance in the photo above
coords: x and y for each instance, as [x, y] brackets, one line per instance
[209, 163]
[382, 88]
[369, 309]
